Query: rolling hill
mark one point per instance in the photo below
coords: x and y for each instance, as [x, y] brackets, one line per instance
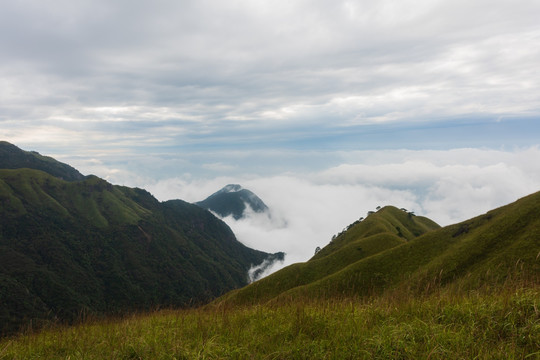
[85, 246]
[393, 249]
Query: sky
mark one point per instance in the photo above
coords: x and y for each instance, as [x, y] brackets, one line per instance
[325, 109]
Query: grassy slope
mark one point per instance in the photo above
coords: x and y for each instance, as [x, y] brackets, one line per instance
[489, 248]
[378, 232]
[93, 199]
[504, 242]
[495, 325]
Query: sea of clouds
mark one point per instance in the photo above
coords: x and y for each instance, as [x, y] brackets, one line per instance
[306, 209]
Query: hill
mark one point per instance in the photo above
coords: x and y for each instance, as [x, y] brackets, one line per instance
[380, 231]
[89, 247]
[11, 157]
[484, 251]
[233, 200]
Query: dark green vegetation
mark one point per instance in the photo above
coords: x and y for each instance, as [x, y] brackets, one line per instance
[73, 248]
[11, 157]
[392, 249]
[232, 200]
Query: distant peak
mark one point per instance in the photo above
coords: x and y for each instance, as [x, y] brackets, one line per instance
[233, 199]
[230, 188]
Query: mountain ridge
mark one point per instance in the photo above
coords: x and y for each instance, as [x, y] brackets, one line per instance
[482, 251]
[12, 157]
[87, 246]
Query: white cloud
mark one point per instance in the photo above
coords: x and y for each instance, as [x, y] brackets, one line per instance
[208, 71]
[307, 209]
[219, 167]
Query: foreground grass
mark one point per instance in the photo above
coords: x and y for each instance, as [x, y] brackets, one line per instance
[496, 325]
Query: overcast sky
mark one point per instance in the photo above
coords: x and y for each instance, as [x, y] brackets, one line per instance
[438, 101]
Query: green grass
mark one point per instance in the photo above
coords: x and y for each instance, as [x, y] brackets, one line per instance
[381, 231]
[486, 249]
[92, 199]
[501, 324]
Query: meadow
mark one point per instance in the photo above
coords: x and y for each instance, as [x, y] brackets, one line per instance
[490, 323]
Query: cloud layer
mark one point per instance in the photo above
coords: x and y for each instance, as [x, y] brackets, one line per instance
[204, 76]
[307, 209]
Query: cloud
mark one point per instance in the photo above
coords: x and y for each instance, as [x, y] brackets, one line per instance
[308, 208]
[218, 167]
[213, 74]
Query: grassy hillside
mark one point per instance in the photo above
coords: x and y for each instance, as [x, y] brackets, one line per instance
[502, 324]
[380, 231]
[70, 248]
[502, 244]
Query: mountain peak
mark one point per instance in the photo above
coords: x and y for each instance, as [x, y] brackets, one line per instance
[233, 200]
[230, 188]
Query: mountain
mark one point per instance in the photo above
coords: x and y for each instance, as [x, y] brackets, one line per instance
[233, 200]
[11, 157]
[393, 249]
[86, 246]
[388, 228]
